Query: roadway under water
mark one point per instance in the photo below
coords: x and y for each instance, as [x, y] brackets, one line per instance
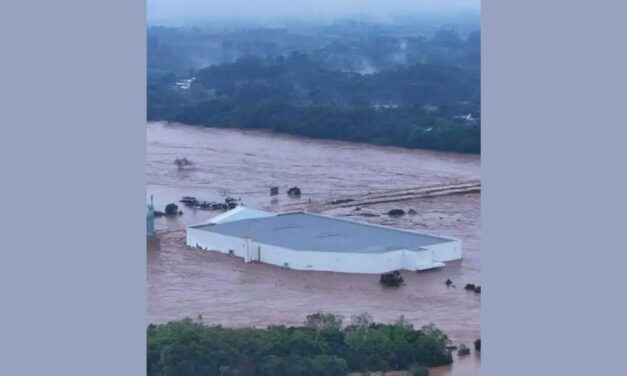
[184, 282]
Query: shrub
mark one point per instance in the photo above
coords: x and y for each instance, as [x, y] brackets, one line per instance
[322, 347]
[324, 321]
[418, 370]
[171, 209]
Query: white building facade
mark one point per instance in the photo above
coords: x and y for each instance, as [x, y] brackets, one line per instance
[305, 241]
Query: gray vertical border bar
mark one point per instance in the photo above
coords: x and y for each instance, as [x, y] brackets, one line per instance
[554, 187]
[72, 151]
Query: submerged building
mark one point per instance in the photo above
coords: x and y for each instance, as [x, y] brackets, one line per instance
[306, 241]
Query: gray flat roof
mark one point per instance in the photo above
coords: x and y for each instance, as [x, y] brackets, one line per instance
[312, 232]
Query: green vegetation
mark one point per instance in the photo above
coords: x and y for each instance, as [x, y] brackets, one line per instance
[322, 346]
[171, 209]
[418, 370]
[413, 92]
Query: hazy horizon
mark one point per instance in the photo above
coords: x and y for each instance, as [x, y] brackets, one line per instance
[191, 12]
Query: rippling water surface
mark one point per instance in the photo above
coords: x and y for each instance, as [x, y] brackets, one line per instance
[224, 290]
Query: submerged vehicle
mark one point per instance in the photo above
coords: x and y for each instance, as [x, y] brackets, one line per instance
[189, 200]
[204, 205]
[193, 202]
[391, 279]
[218, 206]
[232, 203]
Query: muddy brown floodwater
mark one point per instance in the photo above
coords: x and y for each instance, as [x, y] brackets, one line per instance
[185, 282]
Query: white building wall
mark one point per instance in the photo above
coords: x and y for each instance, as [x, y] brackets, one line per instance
[337, 261]
[346, 262]
[216, 242]
[414, 258]
[448, 251]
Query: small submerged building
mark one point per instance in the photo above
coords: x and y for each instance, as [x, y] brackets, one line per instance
[306, 241]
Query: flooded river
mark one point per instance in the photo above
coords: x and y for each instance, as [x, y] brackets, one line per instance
[224, 290]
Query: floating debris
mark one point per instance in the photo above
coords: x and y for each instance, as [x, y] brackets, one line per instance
[183, 162]
[473, 287]
[342, 201]
[396, 212]
[478, 344]
[274, 191]
[463, 350]
[294, 192]
[231, 203]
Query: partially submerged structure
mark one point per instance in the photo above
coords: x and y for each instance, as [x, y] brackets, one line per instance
[391, 279]
[150, 218]
[306, 241]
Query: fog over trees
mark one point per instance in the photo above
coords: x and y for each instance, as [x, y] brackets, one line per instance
[411, 81]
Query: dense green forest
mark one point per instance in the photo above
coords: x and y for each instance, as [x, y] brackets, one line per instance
[382, 88]
[321, 347]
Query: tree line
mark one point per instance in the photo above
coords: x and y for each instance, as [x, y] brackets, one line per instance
[417, 105]
[321, 346]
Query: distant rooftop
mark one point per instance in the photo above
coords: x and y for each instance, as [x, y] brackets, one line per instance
[313, 232]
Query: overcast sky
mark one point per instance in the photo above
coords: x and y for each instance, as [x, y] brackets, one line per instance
[181, 10]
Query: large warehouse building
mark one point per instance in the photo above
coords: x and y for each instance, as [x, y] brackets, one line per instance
[305, 241]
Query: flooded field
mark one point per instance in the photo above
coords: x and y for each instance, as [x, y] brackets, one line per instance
[221, 289]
